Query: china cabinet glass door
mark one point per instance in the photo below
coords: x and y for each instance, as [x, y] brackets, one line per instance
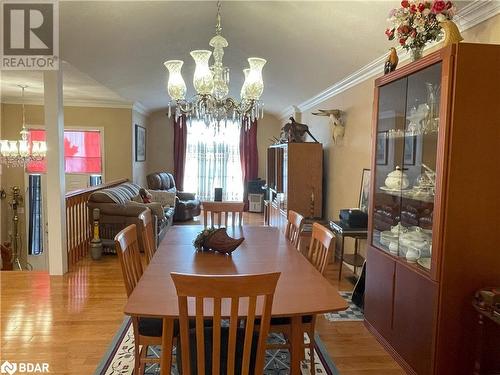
[405, 165]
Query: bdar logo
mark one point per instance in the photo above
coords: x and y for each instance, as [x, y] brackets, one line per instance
[8, 368]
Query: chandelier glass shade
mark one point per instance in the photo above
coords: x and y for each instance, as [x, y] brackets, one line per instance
[20, 152]
[211, 103]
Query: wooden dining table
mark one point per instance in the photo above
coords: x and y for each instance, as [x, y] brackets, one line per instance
[301, 289]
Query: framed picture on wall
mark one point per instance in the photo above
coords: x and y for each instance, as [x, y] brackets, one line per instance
[382, 146]
[140, 143]
[364, 193]
[409, 153]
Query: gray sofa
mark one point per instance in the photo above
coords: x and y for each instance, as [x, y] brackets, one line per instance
[119, 207]
[186, 204]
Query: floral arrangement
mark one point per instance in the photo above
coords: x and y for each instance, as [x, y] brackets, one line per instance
[416, 22]
[199, 241]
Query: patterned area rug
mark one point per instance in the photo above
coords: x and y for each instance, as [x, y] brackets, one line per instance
[352, 314]
[119, 359]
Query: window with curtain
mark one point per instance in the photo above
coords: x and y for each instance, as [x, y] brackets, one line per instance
[82, 152]
[35, 225]
[213, 161]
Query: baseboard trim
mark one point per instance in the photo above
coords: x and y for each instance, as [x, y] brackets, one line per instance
[388, 347]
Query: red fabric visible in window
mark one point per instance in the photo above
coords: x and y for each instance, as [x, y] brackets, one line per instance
[36, 166]
[82, 152]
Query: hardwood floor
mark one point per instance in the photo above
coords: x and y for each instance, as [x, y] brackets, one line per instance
[69, 321]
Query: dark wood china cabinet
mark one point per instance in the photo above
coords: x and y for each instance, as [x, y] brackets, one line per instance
[434, 225]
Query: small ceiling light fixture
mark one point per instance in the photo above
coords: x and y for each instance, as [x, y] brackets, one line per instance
[21, 152]
[211, 103]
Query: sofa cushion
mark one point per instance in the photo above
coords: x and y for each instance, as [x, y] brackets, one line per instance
[137, 199]
[155, 208]
[120, 194]
[165, 181]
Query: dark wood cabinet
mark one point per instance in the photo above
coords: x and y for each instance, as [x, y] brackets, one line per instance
[434, 207]
[414, 317]
[294, 180]
[379, 291]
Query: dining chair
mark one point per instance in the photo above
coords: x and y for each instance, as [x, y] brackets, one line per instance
[147, 234]
[321, 245]
[230, 349]
[293, 227]
[147, 331]
[226, 208]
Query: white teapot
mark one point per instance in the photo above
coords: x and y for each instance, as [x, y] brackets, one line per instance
[397, 179]
[412, 254]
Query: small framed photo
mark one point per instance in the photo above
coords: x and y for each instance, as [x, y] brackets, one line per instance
[140, 143]
[364, 193]
[409, 152]
[382, 146]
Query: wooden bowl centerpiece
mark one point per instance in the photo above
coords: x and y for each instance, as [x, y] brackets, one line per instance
[216, 240]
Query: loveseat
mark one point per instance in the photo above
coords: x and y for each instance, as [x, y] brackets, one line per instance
[120, 206]
[186, 205]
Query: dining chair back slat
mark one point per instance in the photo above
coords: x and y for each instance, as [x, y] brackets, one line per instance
[213, 209]
[321, 245]
[147, 234]
[293, 227]
[239, 291]
[127, 248]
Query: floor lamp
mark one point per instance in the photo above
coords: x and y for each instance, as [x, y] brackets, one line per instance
[15, 237]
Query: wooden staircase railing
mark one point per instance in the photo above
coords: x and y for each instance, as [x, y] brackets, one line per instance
[78, 224]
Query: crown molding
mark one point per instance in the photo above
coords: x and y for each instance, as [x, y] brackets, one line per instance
[80, 103]
[140, 108]
[469, 16]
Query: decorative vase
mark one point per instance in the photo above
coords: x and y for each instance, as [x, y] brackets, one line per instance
[416, 53]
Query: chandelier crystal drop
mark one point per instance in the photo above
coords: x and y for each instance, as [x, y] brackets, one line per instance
[21, 152]
[211, 103]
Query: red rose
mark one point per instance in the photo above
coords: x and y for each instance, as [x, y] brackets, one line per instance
[438, 6]
[405, 4]
[389, 33]
[405, 29]
[413, 8]
[402, 41]
[421, 7]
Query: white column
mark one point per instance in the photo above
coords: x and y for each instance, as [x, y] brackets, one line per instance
[56, 205]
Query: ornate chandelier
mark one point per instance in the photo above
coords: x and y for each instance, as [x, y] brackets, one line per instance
[19, 153]
[211, 103]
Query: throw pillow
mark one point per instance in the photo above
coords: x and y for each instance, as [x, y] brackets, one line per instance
[165, 198]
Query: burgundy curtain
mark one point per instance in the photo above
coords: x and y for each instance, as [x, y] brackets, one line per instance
[180, 136]
[248, 154]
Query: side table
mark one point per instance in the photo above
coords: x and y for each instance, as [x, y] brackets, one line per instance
[342, 230]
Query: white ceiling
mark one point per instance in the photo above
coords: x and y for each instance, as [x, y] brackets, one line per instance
[115, 50]
[77, 87]
[308, 45]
